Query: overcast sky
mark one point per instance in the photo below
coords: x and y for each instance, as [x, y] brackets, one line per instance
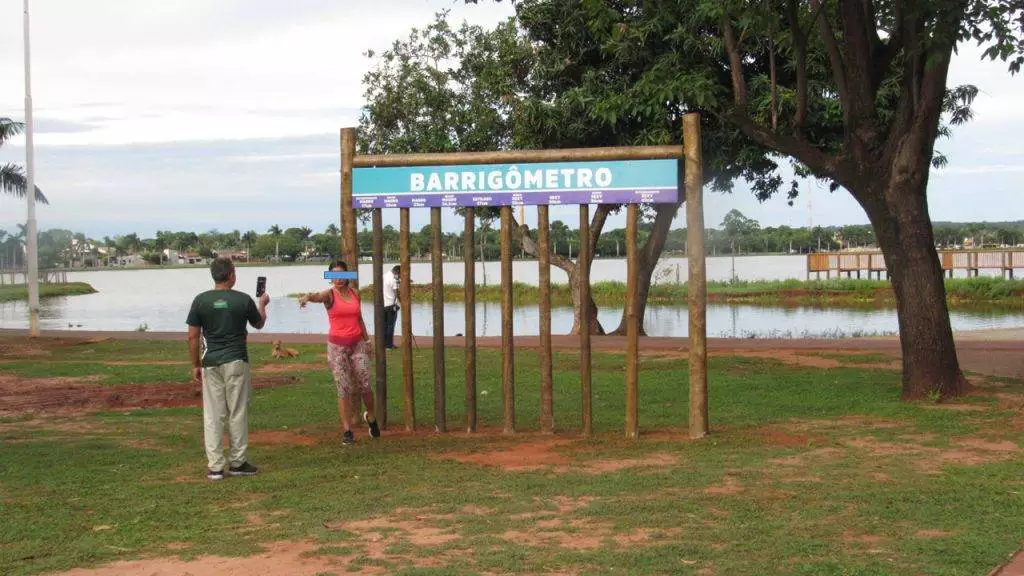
[192, 114]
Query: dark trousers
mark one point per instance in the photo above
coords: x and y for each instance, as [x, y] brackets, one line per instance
[390, 319]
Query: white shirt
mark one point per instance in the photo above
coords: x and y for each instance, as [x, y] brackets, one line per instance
[390, 289]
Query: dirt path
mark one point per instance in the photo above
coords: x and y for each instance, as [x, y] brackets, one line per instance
[995, 353]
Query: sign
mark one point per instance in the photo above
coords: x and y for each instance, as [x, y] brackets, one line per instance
[340, 275]
[600, 182]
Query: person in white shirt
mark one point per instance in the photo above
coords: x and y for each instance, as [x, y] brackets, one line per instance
[391, 305]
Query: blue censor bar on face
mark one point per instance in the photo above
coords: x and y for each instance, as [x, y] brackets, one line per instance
[338, 275]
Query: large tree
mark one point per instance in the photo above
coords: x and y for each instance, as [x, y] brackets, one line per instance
[445, 90]
[12, 176]
[855, 91]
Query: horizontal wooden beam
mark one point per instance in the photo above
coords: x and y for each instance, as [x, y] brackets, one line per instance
[520, 156]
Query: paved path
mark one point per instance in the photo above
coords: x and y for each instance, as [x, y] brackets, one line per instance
[994, 352]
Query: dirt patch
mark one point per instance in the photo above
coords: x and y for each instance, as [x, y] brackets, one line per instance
[932, 534]
[278, 559]
[730, 485]
[386, 530]
[285, 368]
[280, 437]
[583, 534]
[808, 359]
[862, 538]
[542, 454]
[658, 459]
[930, 459]
[77, 395]
[522, 456]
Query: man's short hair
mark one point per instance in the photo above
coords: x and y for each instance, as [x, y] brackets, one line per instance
[221, 269]
[397, 270]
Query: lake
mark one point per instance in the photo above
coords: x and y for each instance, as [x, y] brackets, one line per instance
[159, 300]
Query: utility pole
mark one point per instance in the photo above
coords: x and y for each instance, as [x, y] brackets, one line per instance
[30, 194]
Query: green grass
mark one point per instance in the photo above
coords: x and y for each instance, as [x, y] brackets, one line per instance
[12, 292]
[808, 493]
[961, 292]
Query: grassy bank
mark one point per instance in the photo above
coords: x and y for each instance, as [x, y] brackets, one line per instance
[11, 292]
[962, 292]
[809, 470]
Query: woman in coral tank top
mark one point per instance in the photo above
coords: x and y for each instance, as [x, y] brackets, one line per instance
[348, 349]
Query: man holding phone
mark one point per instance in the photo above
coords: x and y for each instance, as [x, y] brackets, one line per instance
[219, 317]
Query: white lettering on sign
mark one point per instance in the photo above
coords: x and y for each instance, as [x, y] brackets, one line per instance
[511, 178]
[533, 179]
[451, 181]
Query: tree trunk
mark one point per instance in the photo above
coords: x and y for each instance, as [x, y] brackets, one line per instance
[899, 215]
[648, 260]
[529, 245]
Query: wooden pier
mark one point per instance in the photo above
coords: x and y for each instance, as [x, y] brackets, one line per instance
[971, 261]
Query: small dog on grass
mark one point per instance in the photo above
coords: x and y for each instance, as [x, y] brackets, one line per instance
[282, 352]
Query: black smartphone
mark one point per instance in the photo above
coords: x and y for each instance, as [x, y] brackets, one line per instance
[261, 285]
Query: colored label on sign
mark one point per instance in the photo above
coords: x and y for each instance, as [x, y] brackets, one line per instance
[601, 182]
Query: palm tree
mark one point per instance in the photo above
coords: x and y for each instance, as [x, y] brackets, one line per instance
[12, 176]
[274, 230]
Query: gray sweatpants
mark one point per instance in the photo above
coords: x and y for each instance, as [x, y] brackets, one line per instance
[226, 391]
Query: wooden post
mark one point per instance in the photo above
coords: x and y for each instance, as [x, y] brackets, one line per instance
[698, 305]
[349, 234]
[632, 327]
[349, 247]
[405, 295]
[507, 362]
[583, 265]
[470, 298]
[437, 263]
[380, 358]
[547, 413]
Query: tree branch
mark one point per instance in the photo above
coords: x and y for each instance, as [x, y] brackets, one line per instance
[800, 50]
[819, 163]
[739, 82]
[834, 55]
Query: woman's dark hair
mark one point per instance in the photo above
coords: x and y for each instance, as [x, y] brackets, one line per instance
[338, 264]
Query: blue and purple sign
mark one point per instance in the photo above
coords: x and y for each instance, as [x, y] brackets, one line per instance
[600, 182]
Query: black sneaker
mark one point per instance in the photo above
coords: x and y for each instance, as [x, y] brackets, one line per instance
[374, 429]
[215, 474]
[348, 439]
[245, 469]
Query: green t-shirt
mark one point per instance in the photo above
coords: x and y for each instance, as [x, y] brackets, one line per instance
[223, 314]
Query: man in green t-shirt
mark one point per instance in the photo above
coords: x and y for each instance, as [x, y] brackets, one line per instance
[219, 318]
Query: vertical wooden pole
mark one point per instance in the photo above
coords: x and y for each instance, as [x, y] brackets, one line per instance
[470, 298]
[349, 234]
[547, 413]
[583, 264]
[405, 295]
[380, 358]
[349, 248]
[632, 328]
[507, 344]
[698, 304]
[437, 264]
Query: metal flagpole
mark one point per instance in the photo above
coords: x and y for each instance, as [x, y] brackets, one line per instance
[30, 194]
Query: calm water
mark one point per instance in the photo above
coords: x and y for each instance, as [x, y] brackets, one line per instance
[160, 299]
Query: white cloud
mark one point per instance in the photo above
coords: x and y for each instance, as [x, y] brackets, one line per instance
[191, 114]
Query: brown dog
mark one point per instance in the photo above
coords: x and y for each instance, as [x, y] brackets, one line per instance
[282, 352]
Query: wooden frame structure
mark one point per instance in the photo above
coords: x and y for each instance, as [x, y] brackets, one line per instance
[689, 156]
